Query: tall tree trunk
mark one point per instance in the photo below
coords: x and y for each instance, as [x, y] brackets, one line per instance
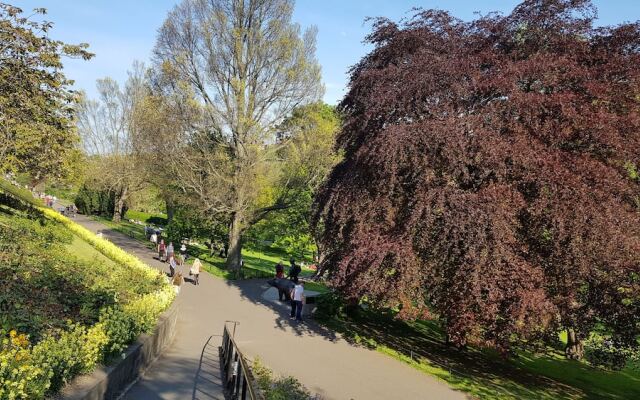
[319, 259]
[235, 244]
[170, 210]
[575, 348]
[118, 209]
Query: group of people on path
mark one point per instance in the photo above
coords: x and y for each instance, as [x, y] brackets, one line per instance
[166, 253]
[296, 295]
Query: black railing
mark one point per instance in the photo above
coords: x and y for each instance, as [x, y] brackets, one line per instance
[237, 378]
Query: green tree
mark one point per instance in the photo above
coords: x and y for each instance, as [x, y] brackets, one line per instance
[248, 66]
[37, 133]
[308, 154]
[110, 135]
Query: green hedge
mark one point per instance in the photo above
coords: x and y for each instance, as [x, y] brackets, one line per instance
[95, 202]
[33, 370]
[18, 193]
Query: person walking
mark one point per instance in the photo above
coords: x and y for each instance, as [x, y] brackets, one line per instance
[172, 266]
[162, 249]
[183, 252]
[282, 295]
[195, 271]
[170, 250]
[154, 239]
[294, 270]
[297, 300]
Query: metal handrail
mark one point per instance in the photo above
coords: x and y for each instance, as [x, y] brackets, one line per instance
[238, 380]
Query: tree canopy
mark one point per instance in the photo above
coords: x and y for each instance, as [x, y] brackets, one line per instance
[110, 136]
[246, 65]
[490, 174]
[36, 103]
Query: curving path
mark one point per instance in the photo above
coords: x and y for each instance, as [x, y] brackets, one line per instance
[320, 359]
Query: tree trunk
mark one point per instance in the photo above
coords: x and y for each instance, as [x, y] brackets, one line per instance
[170, 210]
[119, 205]
[319, 259]
[575, 347]
[235, 245]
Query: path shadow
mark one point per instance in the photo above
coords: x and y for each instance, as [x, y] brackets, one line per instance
[253, 290]
[426, 344]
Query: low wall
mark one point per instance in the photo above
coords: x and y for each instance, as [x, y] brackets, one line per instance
[110, 382]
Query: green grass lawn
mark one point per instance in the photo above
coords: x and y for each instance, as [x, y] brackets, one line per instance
[85, 252]
[157, 219]
[484, 374]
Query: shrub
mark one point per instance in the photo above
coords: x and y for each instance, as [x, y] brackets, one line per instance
[603, 351]
[69, 353]
[329, 305]
[99, 202]
[276, 387]
[20, 376]
[18, 193]
[126, 300]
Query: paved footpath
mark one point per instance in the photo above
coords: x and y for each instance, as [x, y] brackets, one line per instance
[322, 361]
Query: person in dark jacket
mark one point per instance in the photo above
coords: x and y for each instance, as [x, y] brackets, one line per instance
[294, 270]
[282, 294]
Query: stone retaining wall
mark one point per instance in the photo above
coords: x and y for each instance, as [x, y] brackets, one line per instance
[110, 382]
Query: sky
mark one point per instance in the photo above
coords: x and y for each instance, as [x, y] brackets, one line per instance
[121, 31]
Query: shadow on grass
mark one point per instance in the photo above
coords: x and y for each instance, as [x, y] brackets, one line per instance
[482, 373]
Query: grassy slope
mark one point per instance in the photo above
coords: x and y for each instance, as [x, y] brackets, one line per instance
[483, 373]
[85, 252]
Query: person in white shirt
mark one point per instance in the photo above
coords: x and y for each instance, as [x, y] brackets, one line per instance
[297, 300]
[172, 266]
[183, 252]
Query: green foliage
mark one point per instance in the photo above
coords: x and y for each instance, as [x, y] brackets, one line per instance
[329, 305]
[153, 219]
[70, 352]
[188, 223]
[632, 170]
[66, 315]
[21, 377]
[307, 138]
[603, 351]
[278, 388]
[95, 202]
[16, 193]
[37, 132]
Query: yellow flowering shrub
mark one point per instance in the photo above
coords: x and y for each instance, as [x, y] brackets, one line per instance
[34, 370]
[20, 376]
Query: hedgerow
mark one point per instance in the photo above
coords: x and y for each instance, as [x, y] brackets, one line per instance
[64, 316]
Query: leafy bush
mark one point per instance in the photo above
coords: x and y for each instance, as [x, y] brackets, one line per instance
[20, 376]
[329, 305]
[18, 193]
[603, 351]
[71, 352]
[106, 306]
[95, 202]
[276, 387]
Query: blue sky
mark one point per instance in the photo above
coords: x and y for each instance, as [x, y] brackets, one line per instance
[121, 31]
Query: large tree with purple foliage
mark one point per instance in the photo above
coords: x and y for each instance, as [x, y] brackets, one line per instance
[490, 175]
